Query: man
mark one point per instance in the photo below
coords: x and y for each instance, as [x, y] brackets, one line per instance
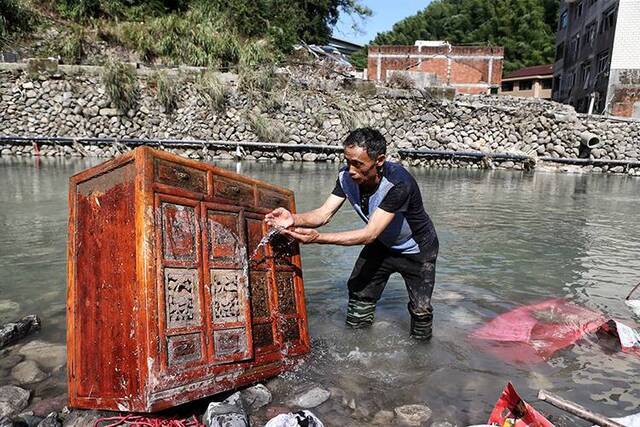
[399, 236]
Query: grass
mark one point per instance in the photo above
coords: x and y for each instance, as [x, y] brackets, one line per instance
[265, 129]
[121, 83]
[167, 91]
[401, 81]
[15, 17]
[213, 91]
[73, 46]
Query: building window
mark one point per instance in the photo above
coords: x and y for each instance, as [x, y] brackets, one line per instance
[560, 51]
[608, 20]
[564, 20]
[507, 86]
[585, 74]
[603, 61]
[574, 46]
[525, 85]
[546, 83]
[590, 34]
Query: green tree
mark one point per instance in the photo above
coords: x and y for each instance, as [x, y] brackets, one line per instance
[526, 28]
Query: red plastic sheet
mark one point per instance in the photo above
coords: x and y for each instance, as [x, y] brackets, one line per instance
[511, 411]
[533, 333]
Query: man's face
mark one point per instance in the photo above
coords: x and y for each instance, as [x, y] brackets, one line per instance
[362, 168]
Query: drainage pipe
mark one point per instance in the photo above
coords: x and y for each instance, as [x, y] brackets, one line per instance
[590, 162]
[478, 155]
[196, 143]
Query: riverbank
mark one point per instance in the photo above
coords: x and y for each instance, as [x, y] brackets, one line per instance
[302, 110]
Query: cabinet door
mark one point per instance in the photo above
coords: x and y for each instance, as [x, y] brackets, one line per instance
[261, 283]
[225, 271]
[180, 290]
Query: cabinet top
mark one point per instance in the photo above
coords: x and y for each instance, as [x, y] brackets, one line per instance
[147, 155]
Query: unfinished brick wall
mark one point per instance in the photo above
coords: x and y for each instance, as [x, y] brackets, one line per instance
[470, 69]
[626, 102]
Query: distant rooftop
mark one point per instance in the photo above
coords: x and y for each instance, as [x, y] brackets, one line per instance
[536, 70]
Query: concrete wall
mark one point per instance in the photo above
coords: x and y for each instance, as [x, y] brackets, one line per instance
[624, 80]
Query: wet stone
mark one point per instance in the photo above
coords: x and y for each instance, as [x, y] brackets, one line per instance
[46, 354]
[28, 372]
[28, 420]
[10, 360]
[12, 400]
[382, 418]
[413, 415]
[228, 413]
[312, 398]
[50, 421]
[256, 397]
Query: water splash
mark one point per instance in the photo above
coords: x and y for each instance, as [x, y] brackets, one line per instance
[273, 232]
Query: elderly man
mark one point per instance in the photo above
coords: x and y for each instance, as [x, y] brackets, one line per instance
[398, 237]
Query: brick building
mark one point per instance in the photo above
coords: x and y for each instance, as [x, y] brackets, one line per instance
[598, 56]
[532, 82]
[468, 69]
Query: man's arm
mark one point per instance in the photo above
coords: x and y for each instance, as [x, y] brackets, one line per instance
[376, 225]
[312, 219]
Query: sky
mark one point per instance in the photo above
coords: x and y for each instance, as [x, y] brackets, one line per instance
[385, 14]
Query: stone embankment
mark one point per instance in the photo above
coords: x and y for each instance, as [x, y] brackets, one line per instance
[306, 112]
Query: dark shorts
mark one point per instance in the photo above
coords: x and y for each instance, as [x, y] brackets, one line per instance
[377, 262]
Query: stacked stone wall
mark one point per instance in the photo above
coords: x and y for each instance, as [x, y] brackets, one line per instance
[76, 105]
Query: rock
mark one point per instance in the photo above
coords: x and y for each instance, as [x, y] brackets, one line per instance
[312, 398]
[413, 415]
[46, 406]
[382, 418]
[14, 331]
[109, 112]
[27, 85]
[79, 418]
[27, 372]
[300, 418]
[50, 421]
[12, 400]
[287, 157]
[309, 157]
[255, 397]
[10, 360]
[28, 420]
[46, 354]
[5, 422]
[442, 424]
[228, 413]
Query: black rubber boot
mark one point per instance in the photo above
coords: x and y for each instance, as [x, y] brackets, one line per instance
[421, 328]
[360, 313]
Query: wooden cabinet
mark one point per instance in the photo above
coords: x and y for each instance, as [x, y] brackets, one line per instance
[169, 297]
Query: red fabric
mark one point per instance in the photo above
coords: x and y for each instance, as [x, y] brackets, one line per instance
[510, 410]
[533, 333]
[144, 421]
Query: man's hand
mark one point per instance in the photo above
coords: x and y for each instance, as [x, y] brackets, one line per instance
[302, 235]
[280, 218]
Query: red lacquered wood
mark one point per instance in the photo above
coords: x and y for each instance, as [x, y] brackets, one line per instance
[140, 306]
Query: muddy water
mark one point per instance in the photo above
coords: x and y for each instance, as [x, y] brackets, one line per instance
[507, 239]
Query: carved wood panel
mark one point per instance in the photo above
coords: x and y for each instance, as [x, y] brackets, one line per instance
[181, 297]
[257, 253]
[224, 240]
[290, 329]
[262, 335]
[286, 292]
[178, 232]
[230, 342]
[184, 348]
[229, 299]
[233, 191]
[258, 281]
